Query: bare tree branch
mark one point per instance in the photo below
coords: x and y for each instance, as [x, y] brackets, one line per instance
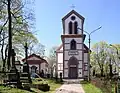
[19, 9]
[3, 26]
[4, 2]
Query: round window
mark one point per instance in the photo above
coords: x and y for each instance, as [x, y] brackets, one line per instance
[73, 18]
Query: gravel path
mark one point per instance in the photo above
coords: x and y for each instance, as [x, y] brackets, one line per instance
[70, 88]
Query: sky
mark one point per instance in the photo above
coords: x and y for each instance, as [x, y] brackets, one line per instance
[105, 13]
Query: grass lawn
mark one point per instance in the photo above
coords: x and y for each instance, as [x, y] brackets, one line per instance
[11, 90]
[89, 88]
[52, 83]
[53, 86]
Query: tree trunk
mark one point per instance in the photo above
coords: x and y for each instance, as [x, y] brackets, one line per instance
[4, 57]
[101, 72]
[10, 34]
[2, 53]
[3, 69]
[110, 71]
[51, 72]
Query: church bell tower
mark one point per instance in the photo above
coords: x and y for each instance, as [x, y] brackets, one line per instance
[73, 40]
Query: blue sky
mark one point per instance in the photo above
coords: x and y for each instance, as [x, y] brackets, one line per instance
[105, 13]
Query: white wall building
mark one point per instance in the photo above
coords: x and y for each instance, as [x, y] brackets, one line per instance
[72, 55]
[36, 64]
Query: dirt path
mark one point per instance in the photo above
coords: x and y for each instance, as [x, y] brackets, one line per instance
[70, 88]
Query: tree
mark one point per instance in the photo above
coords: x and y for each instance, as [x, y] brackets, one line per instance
[99, 55]
[20, 20]
[52, 59]
[19, 43]
[105, 57]
[9, 33]
[38, 49]
[115, 56]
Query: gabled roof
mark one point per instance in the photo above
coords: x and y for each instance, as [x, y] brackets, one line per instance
[73, 12]
[86, 48]
[34, 55]
[59, 47]
[84, 36]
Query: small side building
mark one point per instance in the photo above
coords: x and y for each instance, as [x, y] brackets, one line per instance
[36, 64]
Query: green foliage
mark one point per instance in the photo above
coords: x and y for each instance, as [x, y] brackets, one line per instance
[99, 55]
[103, 55]
[52, 83]
[89, 88]
[12, 90]
[52, 56]
[20, 28]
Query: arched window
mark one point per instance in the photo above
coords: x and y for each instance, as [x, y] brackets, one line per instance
[70, 28]
[73, 45]
[75, 28]
[33, 69]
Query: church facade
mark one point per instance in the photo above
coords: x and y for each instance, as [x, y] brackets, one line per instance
[72, 54]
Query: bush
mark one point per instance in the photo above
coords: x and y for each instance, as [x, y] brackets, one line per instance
[103, 84]
[44, 87]
[26, 87]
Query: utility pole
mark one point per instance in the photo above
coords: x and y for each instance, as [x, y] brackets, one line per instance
[10, 35]
[89, 41]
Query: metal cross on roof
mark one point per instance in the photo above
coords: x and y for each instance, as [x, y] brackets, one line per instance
[72, 6]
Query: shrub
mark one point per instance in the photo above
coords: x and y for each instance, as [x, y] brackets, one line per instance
[44, 87]
[103, 84]
[26, 86]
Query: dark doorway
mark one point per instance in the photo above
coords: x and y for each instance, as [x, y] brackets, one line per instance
[73, 68]
[33, 69]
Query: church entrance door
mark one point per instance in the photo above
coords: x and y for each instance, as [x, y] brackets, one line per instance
[73, 68]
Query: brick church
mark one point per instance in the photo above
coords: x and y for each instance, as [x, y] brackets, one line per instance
[72, 54]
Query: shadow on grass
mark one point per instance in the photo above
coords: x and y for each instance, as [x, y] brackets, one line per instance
[30, 91]
[84, 82]
[58, 81]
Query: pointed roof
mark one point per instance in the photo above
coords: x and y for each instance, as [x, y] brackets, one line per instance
[34, 55]
[86, 48]
[59, 47]
[84, 36]
[73, 12]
